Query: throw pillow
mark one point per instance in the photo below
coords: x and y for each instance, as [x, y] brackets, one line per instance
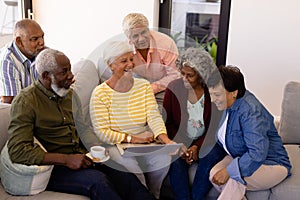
[18, 179]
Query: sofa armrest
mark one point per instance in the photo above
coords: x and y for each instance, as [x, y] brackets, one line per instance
[289, 125]
[4, 122]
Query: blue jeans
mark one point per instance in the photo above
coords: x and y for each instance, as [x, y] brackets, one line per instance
[201, 184]
[99, 183]
[179, 179]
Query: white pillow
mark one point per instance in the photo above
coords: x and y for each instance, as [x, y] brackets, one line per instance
[18, 179]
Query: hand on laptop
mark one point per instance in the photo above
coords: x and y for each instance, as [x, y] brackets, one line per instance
[141, 138]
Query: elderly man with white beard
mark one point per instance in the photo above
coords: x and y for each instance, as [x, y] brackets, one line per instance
[49, 110]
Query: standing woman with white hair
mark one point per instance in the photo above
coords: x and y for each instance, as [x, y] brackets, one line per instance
[123, 109]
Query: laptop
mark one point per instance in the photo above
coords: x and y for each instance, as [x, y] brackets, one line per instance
[128, 149]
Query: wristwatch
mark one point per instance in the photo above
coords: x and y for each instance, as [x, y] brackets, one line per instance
[128, 138]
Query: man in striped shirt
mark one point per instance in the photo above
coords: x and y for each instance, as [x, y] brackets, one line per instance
[17, 68]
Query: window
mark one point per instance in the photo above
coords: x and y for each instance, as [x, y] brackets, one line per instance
[197, 22]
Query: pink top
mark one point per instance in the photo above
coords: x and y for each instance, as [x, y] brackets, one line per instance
[160, 67]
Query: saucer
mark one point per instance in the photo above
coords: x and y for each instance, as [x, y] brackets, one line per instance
[95, 160]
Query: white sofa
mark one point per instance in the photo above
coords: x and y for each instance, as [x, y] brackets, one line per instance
[47, 195]
[87, 77]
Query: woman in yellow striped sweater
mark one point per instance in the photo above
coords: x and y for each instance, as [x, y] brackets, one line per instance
[123, 109]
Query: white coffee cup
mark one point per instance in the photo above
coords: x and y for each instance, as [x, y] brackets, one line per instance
[98, 152]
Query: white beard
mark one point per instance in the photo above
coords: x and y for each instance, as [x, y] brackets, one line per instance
[62, 92]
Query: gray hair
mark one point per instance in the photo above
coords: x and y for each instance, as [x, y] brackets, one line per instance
[134, 20]
[114, 50]
[22, 26]
[46, 60]
[198, 59]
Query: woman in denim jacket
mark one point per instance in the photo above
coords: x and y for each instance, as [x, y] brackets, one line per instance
[256, 158]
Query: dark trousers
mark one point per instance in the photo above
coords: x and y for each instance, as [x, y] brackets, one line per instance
[179, 176]
[201, 184]
[179, 179]
[99, 183]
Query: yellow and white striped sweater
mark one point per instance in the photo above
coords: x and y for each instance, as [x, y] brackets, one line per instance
[114, 113]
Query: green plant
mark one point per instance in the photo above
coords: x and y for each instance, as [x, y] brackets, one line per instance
[210, 46]
[212, 49]
[177, 37]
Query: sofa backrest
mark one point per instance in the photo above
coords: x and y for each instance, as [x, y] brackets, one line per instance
[86, 79]
[289, 126]
[4, 122]
[104, 71]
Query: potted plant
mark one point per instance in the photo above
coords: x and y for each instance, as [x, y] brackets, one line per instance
[210, 46]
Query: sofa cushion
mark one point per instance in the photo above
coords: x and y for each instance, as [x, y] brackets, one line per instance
[47, 195]
[290, 187]
[4, 122]
[255, 195]
[289, 127]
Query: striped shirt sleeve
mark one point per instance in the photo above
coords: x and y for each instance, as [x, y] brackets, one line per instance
[100, 116]
[16, 71]
[10, 85]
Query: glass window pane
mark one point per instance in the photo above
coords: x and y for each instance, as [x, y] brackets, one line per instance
[195, 22]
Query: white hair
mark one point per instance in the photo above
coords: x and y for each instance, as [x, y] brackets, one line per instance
[46, 60]
[114, 50]
[133, 21]
[198, 59]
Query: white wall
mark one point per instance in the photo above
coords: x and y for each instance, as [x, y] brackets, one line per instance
[264, 41]
[2, 11]
[77, 28]
[7, 19]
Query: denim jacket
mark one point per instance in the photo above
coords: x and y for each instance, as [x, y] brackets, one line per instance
[252, 139]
